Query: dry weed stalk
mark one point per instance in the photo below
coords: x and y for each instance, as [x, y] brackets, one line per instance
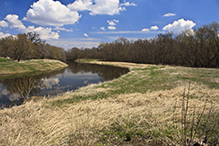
[198, 128]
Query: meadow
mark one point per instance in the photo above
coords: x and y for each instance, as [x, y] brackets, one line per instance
[150, 105]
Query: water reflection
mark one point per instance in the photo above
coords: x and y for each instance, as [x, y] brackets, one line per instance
[23, 86]
[13, 91]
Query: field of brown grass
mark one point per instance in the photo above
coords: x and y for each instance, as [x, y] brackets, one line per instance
[143, 107]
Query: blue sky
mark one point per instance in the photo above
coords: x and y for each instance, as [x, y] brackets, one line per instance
[86, 23]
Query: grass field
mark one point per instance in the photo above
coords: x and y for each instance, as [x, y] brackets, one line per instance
[9, 68]
[147, 106]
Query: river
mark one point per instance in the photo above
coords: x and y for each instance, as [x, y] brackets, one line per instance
[76, 75]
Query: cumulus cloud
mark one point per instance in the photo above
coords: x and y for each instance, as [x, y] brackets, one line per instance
[128, 4]
[3, 23]
[108, 7]
[54, 13]
[49, 12]
[63, 29]
[102, 28]
[86, 35]
[117, 21]
[169, 14]
[15, 23]
[154, 27]
[2, 35]
[113, 22]
[111, 27]
[80, 5]
[179, 26]
[75, 42]
[45, 33]
[145, 30]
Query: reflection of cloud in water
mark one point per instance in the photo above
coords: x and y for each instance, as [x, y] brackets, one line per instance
[78, 75]
[14, 97]
[54, 91]
[4, 92]
[85, 82]
[49, 82]
[88, 78]
[11, 97]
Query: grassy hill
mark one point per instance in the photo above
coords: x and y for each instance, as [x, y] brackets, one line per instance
[9, 68]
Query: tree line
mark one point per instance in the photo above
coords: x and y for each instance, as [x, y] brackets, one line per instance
[29, 46]
[197, 48]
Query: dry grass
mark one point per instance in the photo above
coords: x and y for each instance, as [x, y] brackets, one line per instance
[147, 116]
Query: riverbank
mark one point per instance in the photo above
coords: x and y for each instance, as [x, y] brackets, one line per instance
[143, 107]
[9, 68]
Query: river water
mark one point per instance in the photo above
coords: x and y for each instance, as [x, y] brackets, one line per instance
[13, 91]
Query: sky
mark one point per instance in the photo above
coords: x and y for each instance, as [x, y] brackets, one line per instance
[87, 23]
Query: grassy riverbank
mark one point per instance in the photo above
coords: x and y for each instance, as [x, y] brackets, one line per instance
[143, 107]
[9, 68]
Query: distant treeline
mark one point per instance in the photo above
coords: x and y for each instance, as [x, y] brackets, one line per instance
[197, 48]
[29, 46]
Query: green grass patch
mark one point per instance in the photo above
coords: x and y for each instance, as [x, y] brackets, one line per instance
[212, 85]
[145, 80]
[4, 60]
[75, 99]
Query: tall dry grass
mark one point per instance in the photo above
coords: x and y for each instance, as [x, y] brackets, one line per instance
[155, 116]
[39, 123]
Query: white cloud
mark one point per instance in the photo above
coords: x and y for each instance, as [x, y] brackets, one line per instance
[179, 26]
[145, 29]
[75, 42]
[45, 33]
[49, 12]
[129, 38]
[2, 35]
[63, 29]
[86, 35]
[109, 7]
[112, 27]
[169, 14]
[128, 4]
[113, 22]
[80, 5]
[13, 19]
[117, 21]
[154, 27]
[3, 23]
[102, 28]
